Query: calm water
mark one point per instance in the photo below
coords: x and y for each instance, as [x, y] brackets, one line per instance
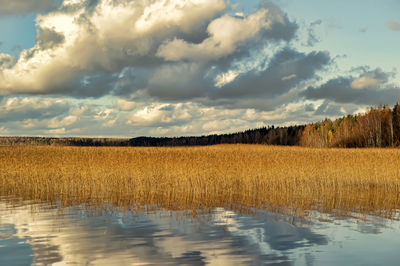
[42, 234]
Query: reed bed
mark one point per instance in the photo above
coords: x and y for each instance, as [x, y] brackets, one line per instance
[283, 179]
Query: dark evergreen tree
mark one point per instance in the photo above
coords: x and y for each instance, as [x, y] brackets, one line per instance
[396, 124]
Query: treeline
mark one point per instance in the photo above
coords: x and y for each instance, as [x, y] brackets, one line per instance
[44, 141]
[266, 135]
[378, 127]
[288, 136]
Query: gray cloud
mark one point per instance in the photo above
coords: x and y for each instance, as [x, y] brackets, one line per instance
[165, 84]
[286, 69]
[17, 109]
[280, 31]
[48, 38]
[8, 7]
[369, 88]
[312, 38]
[329, 110]
[6, 60]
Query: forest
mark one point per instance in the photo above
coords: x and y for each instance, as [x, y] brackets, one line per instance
[285, 136]
[378, 127]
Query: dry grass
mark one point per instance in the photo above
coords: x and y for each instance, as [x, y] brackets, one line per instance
[233, 176]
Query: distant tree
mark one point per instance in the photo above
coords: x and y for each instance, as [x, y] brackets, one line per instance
[396, 124]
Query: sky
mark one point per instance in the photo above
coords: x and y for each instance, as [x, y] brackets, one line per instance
[127, 68]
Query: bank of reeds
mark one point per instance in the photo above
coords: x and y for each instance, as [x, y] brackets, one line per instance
[233, 176]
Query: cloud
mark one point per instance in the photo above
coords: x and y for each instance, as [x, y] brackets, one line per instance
[8, 7]
[15, 108]
[173, 67]
[58, 131]
[179, 81]
[172, 50]
[162, 114]
[79, 117]
[47, 38]
[286, 69]
[329, 109]
[87, 49]
[312, 38]
[227, 34]
[231, 87]
[372, 79]
[36, 117]
[41, 116]
[126, 105]
[393, 25]
[370, 88]
[226, 78]
[62, 123]
[6, 60]
[285, 29]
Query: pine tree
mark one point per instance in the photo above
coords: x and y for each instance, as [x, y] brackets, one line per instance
[396, 124]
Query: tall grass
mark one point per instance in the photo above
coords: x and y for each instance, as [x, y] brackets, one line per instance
[233, 176]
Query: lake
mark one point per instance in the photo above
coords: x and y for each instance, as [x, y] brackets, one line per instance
[42, 234]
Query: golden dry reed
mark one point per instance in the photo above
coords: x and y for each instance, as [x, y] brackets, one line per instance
[284, 179]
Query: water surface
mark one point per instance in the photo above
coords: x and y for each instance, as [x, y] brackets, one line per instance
[42, 234]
